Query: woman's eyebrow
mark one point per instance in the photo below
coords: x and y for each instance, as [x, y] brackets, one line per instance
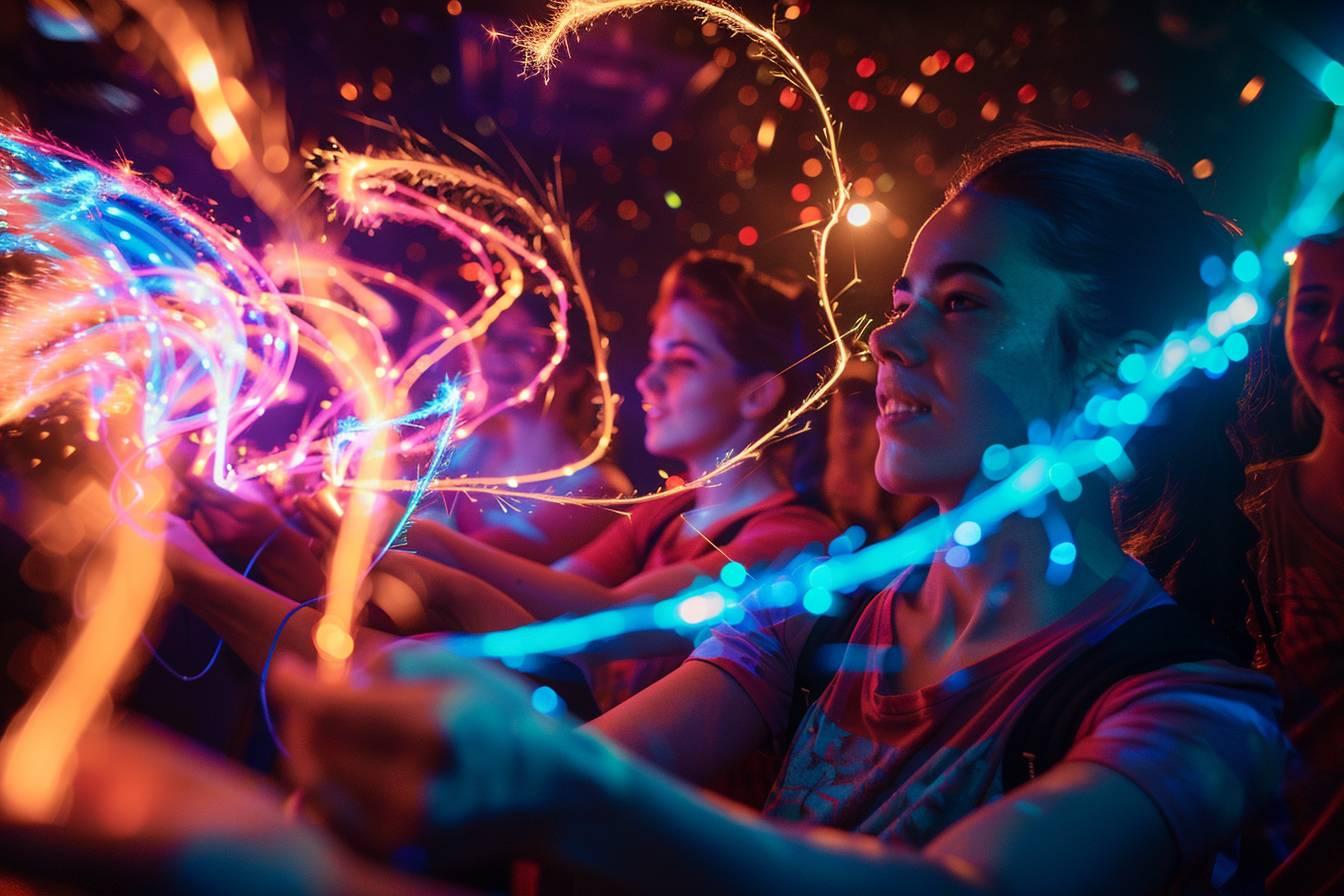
[950, 269]
[682, 343]
[1311, 287]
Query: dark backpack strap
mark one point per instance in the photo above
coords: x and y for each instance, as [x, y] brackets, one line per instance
[1159, 637]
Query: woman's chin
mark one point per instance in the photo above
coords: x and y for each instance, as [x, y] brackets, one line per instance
[908, 476]
[654, 444]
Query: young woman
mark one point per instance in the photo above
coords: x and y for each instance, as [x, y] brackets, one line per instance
[724, 364]
[1298, 502]
[544, 434]
[1053, 258]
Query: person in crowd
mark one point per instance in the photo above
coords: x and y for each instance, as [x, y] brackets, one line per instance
[1296, 497]
[1053, 258]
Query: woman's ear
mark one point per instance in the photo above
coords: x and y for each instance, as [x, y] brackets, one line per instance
[760, 395]
[1099, 370]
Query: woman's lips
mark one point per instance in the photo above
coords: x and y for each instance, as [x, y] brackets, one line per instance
[896, 410]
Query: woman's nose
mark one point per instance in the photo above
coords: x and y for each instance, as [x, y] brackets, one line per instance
[1333, 331]
[648, 381]
[900, 340]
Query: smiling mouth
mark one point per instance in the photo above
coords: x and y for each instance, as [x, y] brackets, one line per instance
[651, 412]
[889, 406]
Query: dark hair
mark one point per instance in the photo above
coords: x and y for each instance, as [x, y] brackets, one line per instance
[767, 325]
[1121, 225]
[1278, 419]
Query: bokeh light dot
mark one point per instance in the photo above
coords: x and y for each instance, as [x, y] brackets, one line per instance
[1064, 553]
[733, 574]
[967, 533]
[1246, 267]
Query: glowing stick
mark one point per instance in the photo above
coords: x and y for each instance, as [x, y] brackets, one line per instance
[37, 754]
[244, 123]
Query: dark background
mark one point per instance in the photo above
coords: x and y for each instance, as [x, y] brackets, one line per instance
[1168, 75]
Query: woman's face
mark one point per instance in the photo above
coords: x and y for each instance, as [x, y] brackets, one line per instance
[692, 390]
[1314, 330]
[515, 349]
[971, 352]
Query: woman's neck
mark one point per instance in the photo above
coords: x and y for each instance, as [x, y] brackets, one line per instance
[962, 614]
[1319, 482]
[739, 488]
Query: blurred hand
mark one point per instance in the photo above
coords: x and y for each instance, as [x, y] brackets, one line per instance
[188, 558]
[149, 813]
[451, 757]
[320, 514]
[235, 523]
[322, 511]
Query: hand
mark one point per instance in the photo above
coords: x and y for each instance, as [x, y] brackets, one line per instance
[462, 765]
[234, 523]
[149, 813]
[187, 557]
[322, 511]
[320, 515]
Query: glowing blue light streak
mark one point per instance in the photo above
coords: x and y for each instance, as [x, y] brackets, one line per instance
[447, 404]
[1019, 480]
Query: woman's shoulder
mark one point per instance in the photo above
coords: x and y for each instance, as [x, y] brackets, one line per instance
[610, 479]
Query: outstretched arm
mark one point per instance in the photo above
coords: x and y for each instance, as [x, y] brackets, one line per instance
[474, 751]
[245, 614]
[542, 591]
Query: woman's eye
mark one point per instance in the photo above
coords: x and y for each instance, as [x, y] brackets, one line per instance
[1314, 306]
[961, 301]
[898, 312]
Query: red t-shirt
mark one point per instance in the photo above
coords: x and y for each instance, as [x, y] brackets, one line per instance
[904, 766]
[1302, 583]
[653, 537]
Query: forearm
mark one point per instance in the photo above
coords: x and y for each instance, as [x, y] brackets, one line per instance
[544, 592]
[455, 601]
[288, 565]
[651, 824]
[248, 615]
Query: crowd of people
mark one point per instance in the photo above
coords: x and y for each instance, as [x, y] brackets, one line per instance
[1168, 717]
